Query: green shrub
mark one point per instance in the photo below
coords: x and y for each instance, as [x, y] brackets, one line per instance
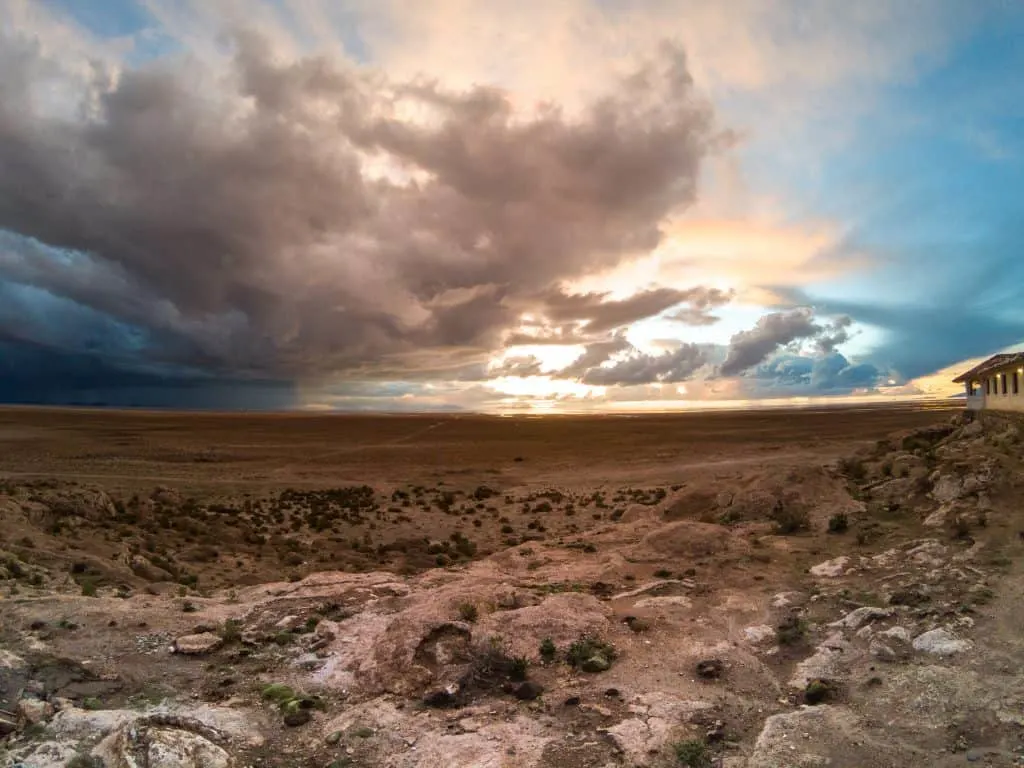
[548, 651]
[838, 523]
[790, 519]
[278, 693]
[231, 631]
[791, 631]
[468, 612]
[853, 468]
[590, 654]
[88, 587]
[84, 761]
[692, 754]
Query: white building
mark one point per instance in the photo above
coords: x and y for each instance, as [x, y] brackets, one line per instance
[997, 384]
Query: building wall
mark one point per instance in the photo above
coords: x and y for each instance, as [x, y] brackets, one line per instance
[995, 400]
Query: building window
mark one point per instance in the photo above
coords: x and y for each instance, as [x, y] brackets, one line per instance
[1003, 377]
[1016, 382]
[988, 386]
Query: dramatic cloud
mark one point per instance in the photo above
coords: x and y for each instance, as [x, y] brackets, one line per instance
[748, 348]
[752, 347]
[674, 366]
[594, 355]
[526, 365]
[598, 313]
[297, 218]
[831, 373]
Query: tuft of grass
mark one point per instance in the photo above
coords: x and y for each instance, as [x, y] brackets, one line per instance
[790, 519]
[278, 693]
[853, 468]
[791, 631]
[231, 631]
[548, 650]
[92, 703]
[83, 760]
[587, 648]
[692, 754]
[468, 612]
[819, 691]
[839, 523]
[88, 587]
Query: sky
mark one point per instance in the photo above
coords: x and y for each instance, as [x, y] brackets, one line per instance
[506, 206]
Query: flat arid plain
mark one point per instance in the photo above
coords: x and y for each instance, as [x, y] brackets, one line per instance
[747, 589]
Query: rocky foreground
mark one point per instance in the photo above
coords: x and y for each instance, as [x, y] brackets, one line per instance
[866, 614]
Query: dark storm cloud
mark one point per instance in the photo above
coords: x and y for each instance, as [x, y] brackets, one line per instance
[674, 366]
[832, 373]
[239, 230]
[777, 329]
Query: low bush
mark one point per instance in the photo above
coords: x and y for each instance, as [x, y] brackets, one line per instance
[838, 523]
[692, 754]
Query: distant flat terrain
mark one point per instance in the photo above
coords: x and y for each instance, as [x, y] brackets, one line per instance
[231, 451]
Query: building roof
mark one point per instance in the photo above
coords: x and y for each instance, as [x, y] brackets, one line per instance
[995, 362]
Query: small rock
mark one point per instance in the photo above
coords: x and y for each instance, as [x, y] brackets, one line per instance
[613, 693]
[637, 624]
[205, 642]
[35, 711]
[528, 691]
[288, 623]
[443, 697]
[941, 642]
[297, 717]
[910, 596]
[881, 651]
[572, 701]
[861, 616]
[831, 568]
[334, 738]
[710, 669]
[896, 633]
[8, 724]
[759, 634]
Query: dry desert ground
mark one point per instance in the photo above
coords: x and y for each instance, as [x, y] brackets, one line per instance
[747, 589]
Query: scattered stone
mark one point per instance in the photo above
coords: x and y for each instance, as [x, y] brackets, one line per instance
[613, 693]
[831, 568]
[710, 669]
[297, 717]
[759, 634]
[35, 711]
[334, 737]
[191, 645]
[572, 701]
[896, 633]
[911, 596]
[636, 624]
[881, 651]
[940, 642]
[8, 723]
[861, 616]
[443, 697]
